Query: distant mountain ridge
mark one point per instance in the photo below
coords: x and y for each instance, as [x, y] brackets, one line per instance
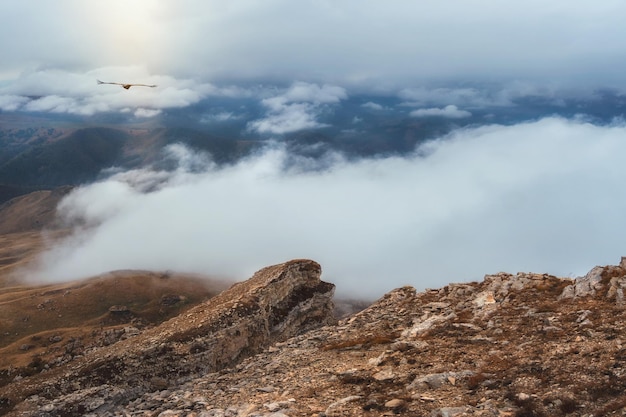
[47, 150]
[80, 155]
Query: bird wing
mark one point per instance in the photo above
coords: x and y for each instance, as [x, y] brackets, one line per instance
[127, 86]
[106, 82]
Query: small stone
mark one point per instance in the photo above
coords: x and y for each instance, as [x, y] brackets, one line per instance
[395, 404]
[266, 389]
[273, 406]
[426, 398]
[158, 382]
[432, 381]
[377, 361]
[384, 375]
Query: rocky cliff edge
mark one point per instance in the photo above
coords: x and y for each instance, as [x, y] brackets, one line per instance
[513, 345]
[278, 302]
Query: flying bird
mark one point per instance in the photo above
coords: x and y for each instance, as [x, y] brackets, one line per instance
[127, 86]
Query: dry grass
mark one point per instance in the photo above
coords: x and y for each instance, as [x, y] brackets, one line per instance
[34, 316]
[18, 249]
[611, 406]
[38, 321]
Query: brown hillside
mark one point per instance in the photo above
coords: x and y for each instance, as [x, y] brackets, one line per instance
[36, 318]
[53, 323]
[30, 212]
[19, 249]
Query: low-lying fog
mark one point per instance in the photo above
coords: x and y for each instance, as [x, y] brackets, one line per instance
[544, 196]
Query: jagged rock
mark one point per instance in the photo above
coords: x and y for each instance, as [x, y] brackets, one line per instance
[278, 302]
[384, 375]
[508, 346]
[483, 299]
[612, 278]
[423, 325]
[434, 381]
[587, 285]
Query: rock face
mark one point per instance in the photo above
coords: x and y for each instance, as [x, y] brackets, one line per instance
[278, 302]
[509, 346]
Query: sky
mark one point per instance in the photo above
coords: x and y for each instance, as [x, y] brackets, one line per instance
[194, 49]
[542, 195]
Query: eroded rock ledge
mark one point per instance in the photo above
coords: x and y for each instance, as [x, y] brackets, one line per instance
[278, 302]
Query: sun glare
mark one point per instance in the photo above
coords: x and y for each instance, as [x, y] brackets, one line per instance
[129, 29]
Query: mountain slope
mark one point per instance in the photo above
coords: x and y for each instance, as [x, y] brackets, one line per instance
[93, 311]
[511, 345]
[79, 157]
[30, 212]
[276, 303]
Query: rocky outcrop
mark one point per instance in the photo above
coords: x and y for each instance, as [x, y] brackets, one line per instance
[278, 302]
[512, 345]
[605, 281]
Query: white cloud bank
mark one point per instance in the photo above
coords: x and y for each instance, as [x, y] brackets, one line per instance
[543, 196]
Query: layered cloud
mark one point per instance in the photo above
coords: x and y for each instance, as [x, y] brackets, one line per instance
[541, 196]
[450, 111]
[57, 91]
[372, 106]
